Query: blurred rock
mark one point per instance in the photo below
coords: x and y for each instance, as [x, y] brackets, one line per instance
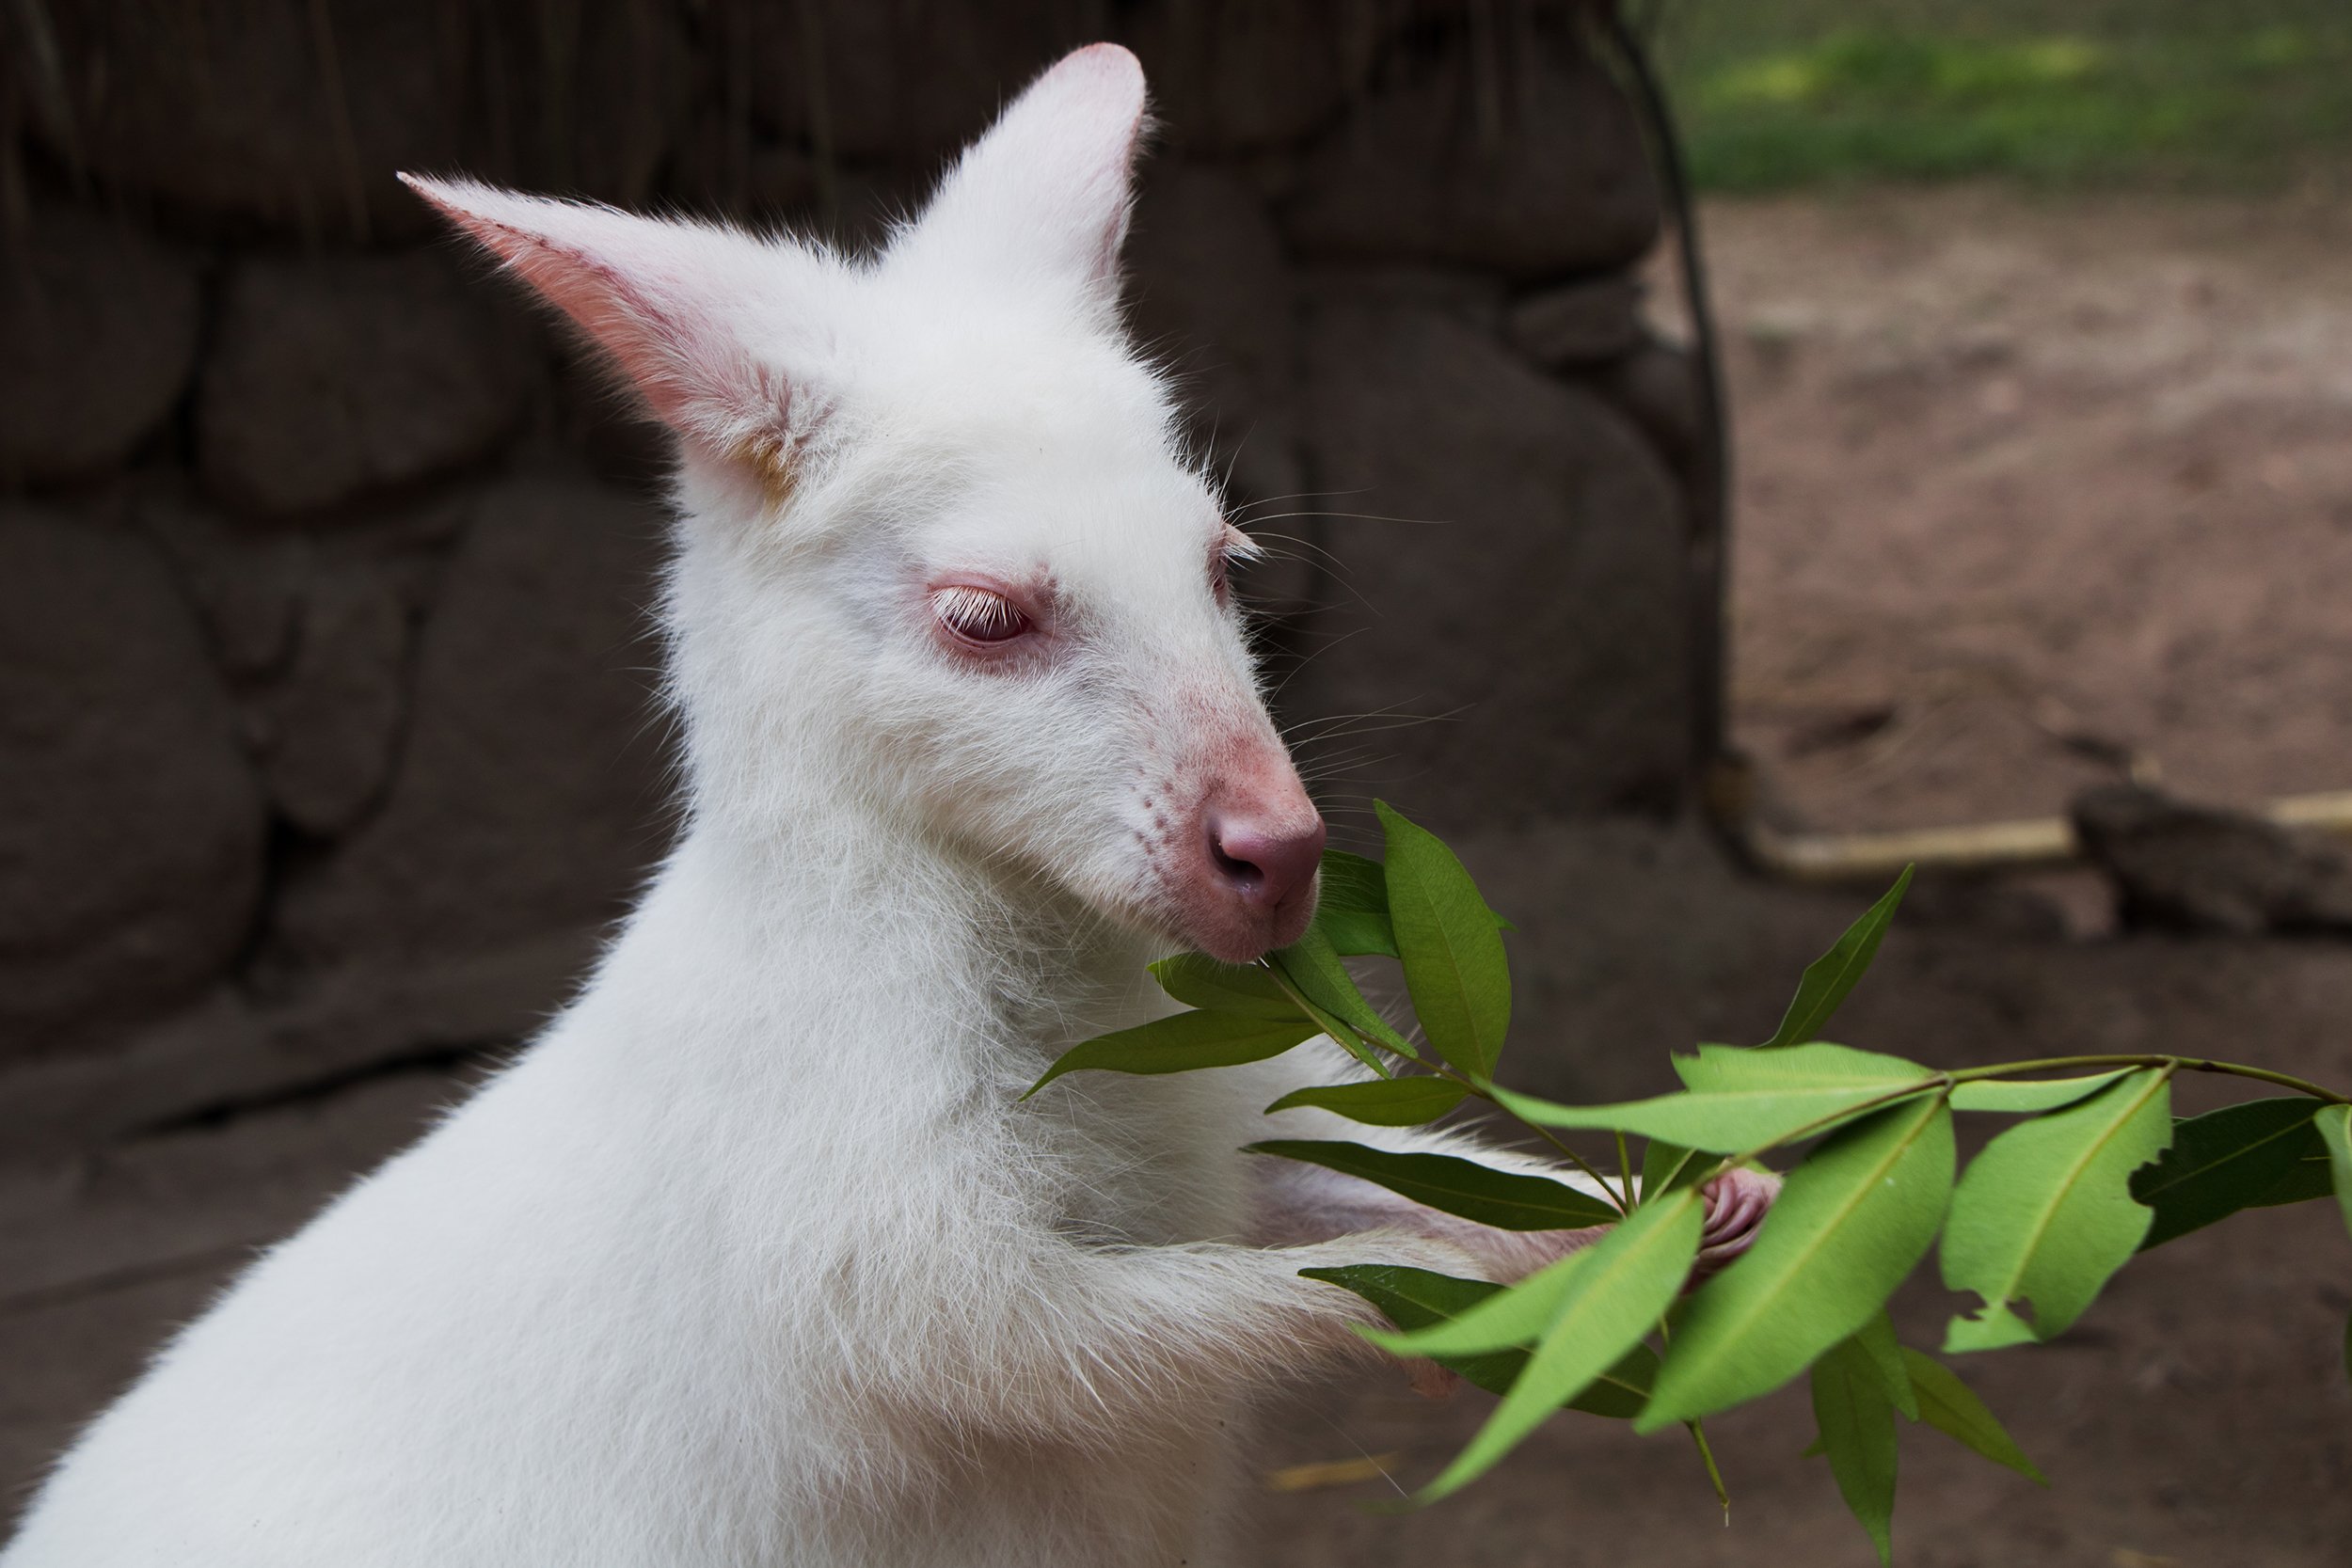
[295, 117]
[231, 1048]
[336, 377]
[1232, 74]
[1477, 300]
[231, 109]
[333, 720]
[1211, 297]
[1658, 384]
[1987, 906]
[911, 79]
[726, 170]
[857, 209]
[246, 585]
[1579, 323]
[2196, 868]
[250, 584]
[131, 828]
[1517, 584]
[1533, 167]
[100, 323]
[530, 792]
[594, 95]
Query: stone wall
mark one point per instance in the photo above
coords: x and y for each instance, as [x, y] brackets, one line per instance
[325, 737]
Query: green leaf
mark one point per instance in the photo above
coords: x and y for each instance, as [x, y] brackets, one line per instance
[2046, 1212]
[1332, 1026]
[1742, 1099]
[1728, 1123]
[1454, 965]
[1734, 1069]
[1619, 1393]
[1829, 978]
[1347, 1039]
[1180, 1044]
[1857, 1427]
[1382, 1102]
[1512, 1316]
[1847, 1226]
[1410, 1298]
[1352, 910]
[1505, 1199]
[2335, 1129]
[1668, 1165]
[1952, 1408]
[1416, 1298]
[1313, 965]
[2028, 1096]
[2310, 1176]
[1876, 1339]
[1200, 981]
[1614, 1296]
[2222, 1161]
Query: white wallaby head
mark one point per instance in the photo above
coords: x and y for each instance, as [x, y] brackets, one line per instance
[945, 564]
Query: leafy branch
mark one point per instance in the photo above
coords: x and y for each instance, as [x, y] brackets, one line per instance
[2095, 1170]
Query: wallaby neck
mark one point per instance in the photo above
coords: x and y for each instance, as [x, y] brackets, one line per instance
[875, 941]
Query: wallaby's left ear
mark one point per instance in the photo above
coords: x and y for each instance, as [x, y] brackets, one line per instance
[713, 327]
[1042, 198]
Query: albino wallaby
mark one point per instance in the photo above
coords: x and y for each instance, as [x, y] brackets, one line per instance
[756, 1257]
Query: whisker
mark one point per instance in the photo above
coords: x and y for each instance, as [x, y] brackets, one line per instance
[1336, 719]
[1304, 658]
[1243, 511]
[1305, 549]
[1358, 517]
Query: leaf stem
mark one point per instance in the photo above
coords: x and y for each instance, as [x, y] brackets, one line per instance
[1942, 1080]
[2179, 1064]
[1943, 1083]
[1342, 1033]
[1699, 1435]
[1625, 1171]
[1714, 1474]
[1608, 1193]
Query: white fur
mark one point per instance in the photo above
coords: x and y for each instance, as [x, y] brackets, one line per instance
[755, 1257]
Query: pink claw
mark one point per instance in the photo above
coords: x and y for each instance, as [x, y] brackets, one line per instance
[1737, 1202]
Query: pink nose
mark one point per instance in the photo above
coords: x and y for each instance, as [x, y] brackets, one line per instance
[1270, 864]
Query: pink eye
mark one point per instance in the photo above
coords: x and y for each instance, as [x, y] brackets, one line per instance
[978, 615]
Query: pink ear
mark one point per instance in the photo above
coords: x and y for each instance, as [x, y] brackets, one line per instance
[685, 310]
[1043, 195]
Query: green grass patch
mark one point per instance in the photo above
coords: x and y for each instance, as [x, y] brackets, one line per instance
[2162, 94]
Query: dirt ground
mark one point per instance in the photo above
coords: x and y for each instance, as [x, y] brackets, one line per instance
[2034, 492]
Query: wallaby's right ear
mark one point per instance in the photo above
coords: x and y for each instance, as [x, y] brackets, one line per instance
[706, 322]
[1042, 199]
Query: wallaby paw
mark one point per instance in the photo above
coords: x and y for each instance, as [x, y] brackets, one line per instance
[1737, 1202]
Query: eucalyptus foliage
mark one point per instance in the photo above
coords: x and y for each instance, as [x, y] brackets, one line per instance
[2093, 1169]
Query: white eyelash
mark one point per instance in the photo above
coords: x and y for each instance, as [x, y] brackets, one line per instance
[978, 614]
